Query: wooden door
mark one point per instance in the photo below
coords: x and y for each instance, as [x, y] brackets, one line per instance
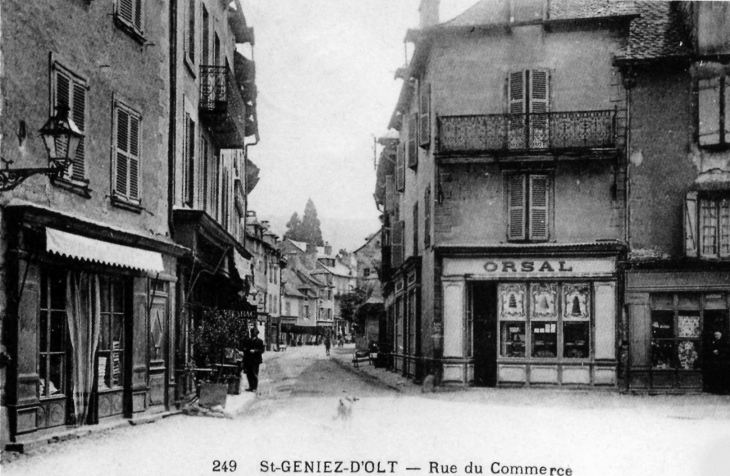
[484, 312]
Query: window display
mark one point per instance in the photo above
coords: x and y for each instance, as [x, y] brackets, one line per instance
[52, 335]
[676, 330]
[575, 340]
[544, 339]
[513, 339]
[111, 342]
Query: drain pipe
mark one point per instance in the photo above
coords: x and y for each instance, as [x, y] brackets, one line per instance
[172, 133]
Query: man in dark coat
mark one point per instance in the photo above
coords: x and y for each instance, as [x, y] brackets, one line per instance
[252, 359]
[718, 364]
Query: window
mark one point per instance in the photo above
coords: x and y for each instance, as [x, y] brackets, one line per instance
[288, 308]
[676, 322]
[413, 140]
[329, 314]
[190, 39]
[400, 169]
[129, 12]
[110, 363]
[528, 105]
[205, 50]
[188, 160]
[398, 239]
[543, 326]
[306, 311]
[70, 91]
[366, 272]
[411, 324]
[127, 127]
[714, 108]
[528, 207]
[707, 226]
[52, 336]
[424, 110]
[398, 344]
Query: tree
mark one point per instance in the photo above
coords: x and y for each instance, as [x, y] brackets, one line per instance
[351, 302]
[311, 232]
[293, 228]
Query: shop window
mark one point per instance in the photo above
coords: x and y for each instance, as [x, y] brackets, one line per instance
[399, 344]
[676, 332]
[528, 207]
[411, 325]
[558, 328]
[52, 336]
[110, 356]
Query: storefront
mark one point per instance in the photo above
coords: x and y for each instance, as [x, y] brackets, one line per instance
[678, 330]
[530, 320]
[406, 315]
[93, 334]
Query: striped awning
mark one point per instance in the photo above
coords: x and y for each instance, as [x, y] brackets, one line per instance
[89, 249]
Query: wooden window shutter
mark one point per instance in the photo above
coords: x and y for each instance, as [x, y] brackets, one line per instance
[709, 111]
[413, 140]
[539, 207]
[516, 209]
[724, 228]
[427, 217]
[691, 242]
[125, 9]
[63, 93]
[726, 111]
[134, 156]
[400, 171]
[539, 107]
[138, 14]
[389, 192]
[121, 169]
[397, 244]
[71, 94]
[517, 120]
[424, 119]
[191, 30]
[415, 229]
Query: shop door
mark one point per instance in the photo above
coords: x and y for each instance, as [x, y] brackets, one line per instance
[484, 312]
[158, 350]
[716, 352]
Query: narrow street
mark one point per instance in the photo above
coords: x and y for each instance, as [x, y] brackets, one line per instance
[293, 419]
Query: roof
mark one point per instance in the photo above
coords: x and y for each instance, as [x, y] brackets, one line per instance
[338, 269]
[491, 12]
[368, 240]
[658, 32]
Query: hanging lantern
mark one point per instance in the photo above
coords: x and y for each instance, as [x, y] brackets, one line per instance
[61, 137]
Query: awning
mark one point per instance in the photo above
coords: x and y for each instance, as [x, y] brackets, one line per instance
[88, 249]
[243, 266]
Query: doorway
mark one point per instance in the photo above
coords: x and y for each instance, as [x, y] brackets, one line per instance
[716, 352]
[484, 312]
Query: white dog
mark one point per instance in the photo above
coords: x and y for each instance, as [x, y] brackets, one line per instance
[344, 409]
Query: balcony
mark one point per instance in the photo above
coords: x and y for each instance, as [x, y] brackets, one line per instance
[221, 106]
[527, 134]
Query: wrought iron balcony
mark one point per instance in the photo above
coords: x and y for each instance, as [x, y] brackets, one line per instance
[221, 106]
[527, 133]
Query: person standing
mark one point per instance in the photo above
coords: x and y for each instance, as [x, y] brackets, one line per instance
[718, 364]
[327, 344]
[252, 360]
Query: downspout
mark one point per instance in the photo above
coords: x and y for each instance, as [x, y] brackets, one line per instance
[172, 133]
[629, 83]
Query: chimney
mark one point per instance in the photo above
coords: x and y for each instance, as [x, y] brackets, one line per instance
[265, 224]
[327, 248]
[429, 11]
[311, 249]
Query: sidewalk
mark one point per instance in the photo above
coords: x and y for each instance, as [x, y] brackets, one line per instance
[343, 357]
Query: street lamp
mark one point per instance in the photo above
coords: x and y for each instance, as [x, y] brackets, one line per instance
[61, 137]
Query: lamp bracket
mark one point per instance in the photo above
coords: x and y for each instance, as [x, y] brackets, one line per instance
[11, 178]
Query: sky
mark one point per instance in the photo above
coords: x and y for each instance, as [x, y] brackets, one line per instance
[325, 75]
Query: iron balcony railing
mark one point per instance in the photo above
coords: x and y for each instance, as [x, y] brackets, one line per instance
[221, 104]
[539, 132]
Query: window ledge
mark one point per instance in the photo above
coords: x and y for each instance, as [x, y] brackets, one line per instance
[126, 204]
[79, 187]
[136, 34]
[719, 147]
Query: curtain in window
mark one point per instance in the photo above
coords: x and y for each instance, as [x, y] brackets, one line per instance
[84, 324]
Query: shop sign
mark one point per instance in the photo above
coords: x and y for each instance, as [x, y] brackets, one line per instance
[531, 267]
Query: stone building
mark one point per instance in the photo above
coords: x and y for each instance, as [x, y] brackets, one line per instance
[534, 230]
[89, 267]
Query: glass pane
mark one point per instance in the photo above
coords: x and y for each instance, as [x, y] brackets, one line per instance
[42, 375]
[688, 324]
[724, 228]
[117, 331]
[104, 292]
[117, 296]
[103, 372]
[513, 339]
[116, 369]
[44, 290]
[512, 301]
[105, 342]
[687, 355]
[662, 301]
[544, 339]
[55, 383]
[662, 324]
[576, 303]
[544, 300]
[661, 354]
[708, 227]
[58, 331]
[576, 340]
[58, 292]
[42, 331]
[715, 301]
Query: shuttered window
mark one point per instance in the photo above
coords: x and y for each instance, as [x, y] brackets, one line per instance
[130, 11]
[714, 107]
[400, 169]
[398, 236]
[127, 128]
[413, 140]
[424, 111]
[70, 92]
[528, 105]
[190, 39]
[528, 207]
[188, 160]
[516, 107]
[538, 118]
[415, 229]
[427, 217]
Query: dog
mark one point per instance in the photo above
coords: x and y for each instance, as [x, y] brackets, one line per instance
[344, 409]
